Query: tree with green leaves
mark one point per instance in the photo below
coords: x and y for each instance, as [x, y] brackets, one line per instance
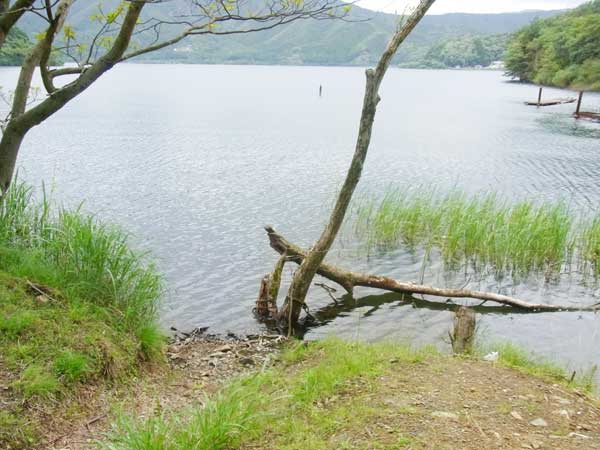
[561, 51]
[122, 31]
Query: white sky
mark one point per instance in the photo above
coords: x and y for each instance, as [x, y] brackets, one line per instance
[470, 6]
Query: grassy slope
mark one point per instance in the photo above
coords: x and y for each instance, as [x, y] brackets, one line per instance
[76, 306]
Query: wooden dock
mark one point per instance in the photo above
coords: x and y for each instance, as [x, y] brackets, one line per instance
[588, 115]
[554, 101]
[578, 114]
[551, 102]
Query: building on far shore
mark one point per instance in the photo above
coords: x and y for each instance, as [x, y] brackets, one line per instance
[496, 65]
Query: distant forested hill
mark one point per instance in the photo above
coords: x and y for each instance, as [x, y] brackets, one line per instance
[463, 51]
[438, 41]
[13, 51]
[360, 43]
[560, 51]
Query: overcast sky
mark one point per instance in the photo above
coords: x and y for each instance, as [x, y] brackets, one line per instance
[471, 6]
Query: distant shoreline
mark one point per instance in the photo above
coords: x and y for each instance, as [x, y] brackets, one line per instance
[168, 62]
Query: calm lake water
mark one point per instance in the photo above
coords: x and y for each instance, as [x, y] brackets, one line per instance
[194, 160]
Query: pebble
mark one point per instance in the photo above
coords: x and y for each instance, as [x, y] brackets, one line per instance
[42, 299]
[516, 415]
[579, 435]
[562, 401]
[539, 422]
[445, 415]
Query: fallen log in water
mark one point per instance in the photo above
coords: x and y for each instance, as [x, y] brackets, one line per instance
[349, 280]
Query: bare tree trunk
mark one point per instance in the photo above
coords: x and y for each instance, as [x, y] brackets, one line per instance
[305, 273]
[12, 137]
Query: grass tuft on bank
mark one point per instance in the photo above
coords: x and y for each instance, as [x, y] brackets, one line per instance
[77, 305]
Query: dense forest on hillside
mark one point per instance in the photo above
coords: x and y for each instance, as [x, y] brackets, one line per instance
[463, 51]
[561, 51]
[13, 51]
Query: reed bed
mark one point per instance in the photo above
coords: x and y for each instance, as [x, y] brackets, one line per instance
[484, 231]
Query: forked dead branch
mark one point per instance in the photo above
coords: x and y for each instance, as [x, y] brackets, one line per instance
[349, 280]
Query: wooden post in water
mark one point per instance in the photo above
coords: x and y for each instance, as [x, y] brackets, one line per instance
[540, 96]
[578, 104]
[463, 335]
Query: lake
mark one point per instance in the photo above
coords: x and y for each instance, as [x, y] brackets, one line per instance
[194, 160]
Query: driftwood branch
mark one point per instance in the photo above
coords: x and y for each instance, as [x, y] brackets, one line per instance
[349, 280]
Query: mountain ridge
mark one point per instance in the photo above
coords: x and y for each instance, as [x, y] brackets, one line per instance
[319, 42]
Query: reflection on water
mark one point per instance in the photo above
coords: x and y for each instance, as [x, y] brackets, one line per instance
[196, 159]
[568, 126]
[372, 304]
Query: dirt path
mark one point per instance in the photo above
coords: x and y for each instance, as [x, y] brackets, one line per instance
[475, 405]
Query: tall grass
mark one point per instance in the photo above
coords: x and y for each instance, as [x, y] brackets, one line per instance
[90, 260]
[484, 230]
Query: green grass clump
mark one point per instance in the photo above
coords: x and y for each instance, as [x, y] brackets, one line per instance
[590, 247]
[37, 381]
[482, 231]
[76, 303]
[86, 258]
[88, 261]
[73, 366]
[52, 344]
[283, 404]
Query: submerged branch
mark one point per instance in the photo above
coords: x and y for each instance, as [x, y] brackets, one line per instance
[349, 280]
